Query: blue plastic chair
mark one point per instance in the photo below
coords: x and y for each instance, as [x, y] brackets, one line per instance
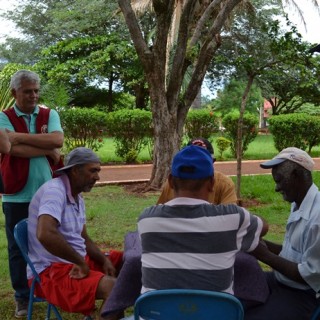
[21, 236]
[185, 304]
[316, 314]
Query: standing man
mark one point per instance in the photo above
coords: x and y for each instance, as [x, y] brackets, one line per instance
[295, 280]
[224, 191]
[35, 133]
[73, 270]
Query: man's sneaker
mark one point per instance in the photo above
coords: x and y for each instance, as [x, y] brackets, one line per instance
[21, 309]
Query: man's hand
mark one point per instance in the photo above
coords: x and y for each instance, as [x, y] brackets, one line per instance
[108, 268]
[13, 137]
[79, 271]
[55, 155]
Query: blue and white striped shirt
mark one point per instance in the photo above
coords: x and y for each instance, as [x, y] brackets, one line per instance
[190, 243]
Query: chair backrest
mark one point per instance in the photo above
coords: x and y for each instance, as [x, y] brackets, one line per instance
[185, 304]
[20, 233]
[316, 314]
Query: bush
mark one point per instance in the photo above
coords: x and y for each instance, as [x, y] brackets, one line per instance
[54, 95]
[223, 144]
[295, 130]
[200, 123]
[249, 130]
[6, 99]
[131, 130]
[83, 127]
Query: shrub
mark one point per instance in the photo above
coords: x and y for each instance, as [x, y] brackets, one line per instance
[131, 130]
[295, 130]
[249, 130]
[54, 95]
[83, 127]
[201, 123]
[6, 99]
[223, 144]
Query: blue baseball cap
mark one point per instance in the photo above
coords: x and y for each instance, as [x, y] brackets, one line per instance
[192, 162]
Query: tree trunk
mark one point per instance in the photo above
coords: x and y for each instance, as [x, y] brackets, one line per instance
[169, 105]
[142, 95]
[239, 138]
[167, 139]
[110, 93]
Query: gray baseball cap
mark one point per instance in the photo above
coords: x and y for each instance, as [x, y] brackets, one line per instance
[80, 155]
[292, 154]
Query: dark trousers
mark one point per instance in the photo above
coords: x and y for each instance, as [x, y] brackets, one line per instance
[15, 212]
[284, 303]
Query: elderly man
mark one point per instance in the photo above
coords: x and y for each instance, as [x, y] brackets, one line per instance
[224, 190]
[35, 134]
[295, 281]
[188, 242]
[73, 271]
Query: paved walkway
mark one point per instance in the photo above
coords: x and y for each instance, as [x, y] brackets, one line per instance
[141, 173]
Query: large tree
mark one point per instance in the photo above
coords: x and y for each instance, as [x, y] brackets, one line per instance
[81, 44]
[255, 49]
[198, 38]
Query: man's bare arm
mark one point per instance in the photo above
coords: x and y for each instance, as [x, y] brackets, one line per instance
[41, 140]
[96, 254]
[5, 144]
[54, 242]
[25, 151]
[284, 266]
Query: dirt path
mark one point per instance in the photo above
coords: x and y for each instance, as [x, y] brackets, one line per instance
[141, 173]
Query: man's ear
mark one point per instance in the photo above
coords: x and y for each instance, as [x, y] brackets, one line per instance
[13, 92]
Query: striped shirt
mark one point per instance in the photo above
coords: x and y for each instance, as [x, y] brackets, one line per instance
[189, 243]
[54, 198]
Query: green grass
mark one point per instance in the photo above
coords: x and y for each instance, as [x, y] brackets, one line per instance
[261, 148]
[112, 212]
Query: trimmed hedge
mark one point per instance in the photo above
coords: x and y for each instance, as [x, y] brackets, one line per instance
[223, 145]
[131, 130]
[83, 127]
[200, 123]
[298, 130]
[249, 130]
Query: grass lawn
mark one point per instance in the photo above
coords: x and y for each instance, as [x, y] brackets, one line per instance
[112, 212]
[261, 148]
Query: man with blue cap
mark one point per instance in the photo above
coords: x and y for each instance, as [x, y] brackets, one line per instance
[188, 242]
[224, 191]
[295, 280]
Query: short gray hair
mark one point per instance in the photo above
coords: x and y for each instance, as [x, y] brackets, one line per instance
[21, 75]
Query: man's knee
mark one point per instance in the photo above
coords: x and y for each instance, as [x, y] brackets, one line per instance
[105, 286]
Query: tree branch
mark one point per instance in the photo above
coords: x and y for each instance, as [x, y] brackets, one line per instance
[200, 25]
[140, 45]
[177, 70]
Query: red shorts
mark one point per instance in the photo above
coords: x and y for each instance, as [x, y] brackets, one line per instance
[73, 295]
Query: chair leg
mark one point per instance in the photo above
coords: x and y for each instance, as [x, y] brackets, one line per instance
[48, 311]
[30, 308]
[56, 312]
